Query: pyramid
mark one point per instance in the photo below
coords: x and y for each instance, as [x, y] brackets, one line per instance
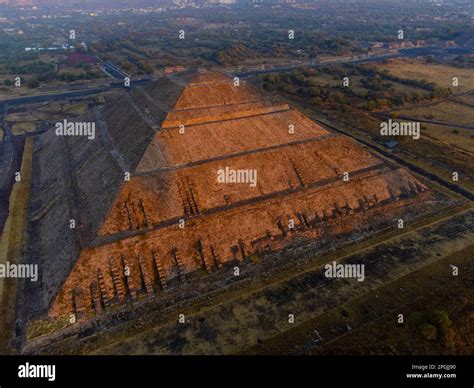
[172, 217]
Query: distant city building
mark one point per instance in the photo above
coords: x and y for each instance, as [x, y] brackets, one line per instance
[13, 31]
[63, 47]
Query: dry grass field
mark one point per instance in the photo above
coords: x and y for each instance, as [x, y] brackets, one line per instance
[369, 324]
[440, 74]
[466, 98]
[445, 111]
[23, 127]
[458, 137]
[24, 120]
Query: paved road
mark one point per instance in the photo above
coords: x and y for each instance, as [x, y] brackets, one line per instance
[286, 68]
[70, 94]
[113, 71]
[437, 52]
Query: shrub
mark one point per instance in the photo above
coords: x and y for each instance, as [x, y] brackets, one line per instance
[33, 83]
[441, 319]
[429, 331]
[416, 318]
[449, 339]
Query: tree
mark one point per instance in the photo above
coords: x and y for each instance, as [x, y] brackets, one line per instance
[316, 101]
[126, 65]
[291, 89]
[449, 338]
[33, 83]
[314, 91]
[68, 77]
[148, 68]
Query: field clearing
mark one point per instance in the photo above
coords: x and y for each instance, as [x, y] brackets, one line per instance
[24, 120]
[467, 98]
[62, 110]
[369, 324]
[25, 115]
[51, 58]
[327, 79]
[77, 71]
[13, 91]
[429, 164]
[446, 111]
[442, 75]
[458, 137]
[357, 86]
[401, 89]
[424, 291]
[23, 127]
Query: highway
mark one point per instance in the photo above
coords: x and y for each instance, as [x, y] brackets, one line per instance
[25, 100]
[113, 71]
[414, 52]
[280, 69]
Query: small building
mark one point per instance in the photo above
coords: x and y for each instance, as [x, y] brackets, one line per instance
[391, 144]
